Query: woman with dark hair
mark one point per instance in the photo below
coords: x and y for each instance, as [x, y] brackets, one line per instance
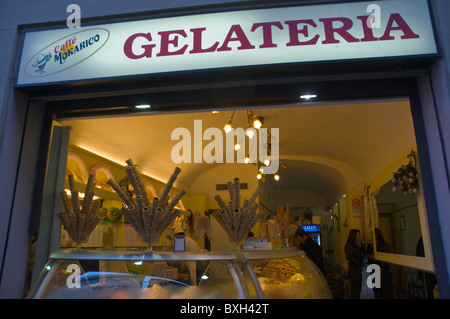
[355, 257]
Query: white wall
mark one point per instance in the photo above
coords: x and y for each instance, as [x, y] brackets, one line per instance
[299, 197]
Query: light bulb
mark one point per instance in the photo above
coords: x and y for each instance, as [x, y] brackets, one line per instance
[143, 106]
[227, 127]
[258, 176]
[308, 96]
[256, 123]
[277, 177]
[247, 160]
[236, 147]
[250, 132]
[267, 162]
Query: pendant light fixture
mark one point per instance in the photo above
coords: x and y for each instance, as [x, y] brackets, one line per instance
[227, 128]
[254, 123]
[250, 131]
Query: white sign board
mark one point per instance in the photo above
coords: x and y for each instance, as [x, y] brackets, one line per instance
[345, 31]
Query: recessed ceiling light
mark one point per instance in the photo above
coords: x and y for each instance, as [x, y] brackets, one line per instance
[143, 106]
[308, 96]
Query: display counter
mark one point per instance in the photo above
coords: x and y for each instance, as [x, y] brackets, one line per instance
[132, 274]
[95, 274]
[282, 274]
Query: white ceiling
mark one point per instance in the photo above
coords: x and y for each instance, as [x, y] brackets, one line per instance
[326, 148]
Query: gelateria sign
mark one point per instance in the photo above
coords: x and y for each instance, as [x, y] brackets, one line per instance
[295, 34]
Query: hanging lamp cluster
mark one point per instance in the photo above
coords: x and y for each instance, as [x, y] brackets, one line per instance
[254, 123]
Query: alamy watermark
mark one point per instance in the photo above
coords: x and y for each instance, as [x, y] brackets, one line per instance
[73, 280]
[374, 20]
[263, 146]
[74, 19]
[374, 279]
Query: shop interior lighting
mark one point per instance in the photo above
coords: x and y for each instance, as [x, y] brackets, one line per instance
[250, 131]
[142, 106]
[227, 128]
[253, 123]
[308, 96]
[257, 122]
[80, 195]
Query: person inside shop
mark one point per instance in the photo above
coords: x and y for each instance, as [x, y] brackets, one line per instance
[385, 291]
[311, 248]
[354, 253]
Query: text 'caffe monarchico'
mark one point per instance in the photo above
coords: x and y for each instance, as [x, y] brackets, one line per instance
[237, 150]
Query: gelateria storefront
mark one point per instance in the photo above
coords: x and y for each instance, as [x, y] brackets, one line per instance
[185, 151]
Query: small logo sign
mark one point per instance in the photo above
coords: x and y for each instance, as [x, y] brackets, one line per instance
[41, 61]
[66, 52]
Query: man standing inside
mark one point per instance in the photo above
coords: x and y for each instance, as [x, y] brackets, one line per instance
[311, 248]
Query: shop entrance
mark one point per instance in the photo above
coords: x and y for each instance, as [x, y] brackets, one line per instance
[329, 153]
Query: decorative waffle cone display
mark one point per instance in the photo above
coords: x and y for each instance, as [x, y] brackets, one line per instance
[148, 219]
[237, 221]
[80, 222]
[280, 229]
[282, 219]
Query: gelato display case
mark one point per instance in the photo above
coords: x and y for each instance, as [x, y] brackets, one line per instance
[282, 274]
[73, 274]
[239, 274]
